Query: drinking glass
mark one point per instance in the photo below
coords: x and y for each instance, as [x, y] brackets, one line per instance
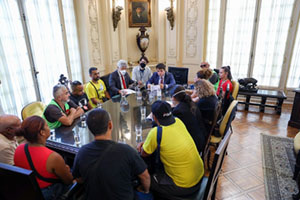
[83, 120]
[76, 138]
[143, 112]
[138, 132]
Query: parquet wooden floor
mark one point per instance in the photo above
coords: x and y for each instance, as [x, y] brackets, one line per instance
[242, 176]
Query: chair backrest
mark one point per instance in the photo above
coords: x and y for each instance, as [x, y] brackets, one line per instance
[228, 117]
[105, 79]
[235, 89]
[34, 108]
[212, 182]
[217, 112]
[180, 74]
[18, 183]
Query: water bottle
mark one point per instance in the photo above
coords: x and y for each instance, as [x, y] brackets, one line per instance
[158, 94]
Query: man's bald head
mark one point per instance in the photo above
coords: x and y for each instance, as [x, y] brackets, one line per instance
[9, 125]
[204, 65]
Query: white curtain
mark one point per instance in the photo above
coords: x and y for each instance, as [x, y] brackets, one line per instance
[72, 39]
[16, 89]
[213, 32]
[294, 73]
[238, 35]
[273, 27]
[44, 29]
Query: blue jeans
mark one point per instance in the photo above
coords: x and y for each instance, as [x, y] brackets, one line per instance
[54, 191]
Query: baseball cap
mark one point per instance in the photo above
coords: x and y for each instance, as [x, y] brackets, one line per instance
[163, 112]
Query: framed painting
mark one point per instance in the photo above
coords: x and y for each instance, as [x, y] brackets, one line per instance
[139, 13]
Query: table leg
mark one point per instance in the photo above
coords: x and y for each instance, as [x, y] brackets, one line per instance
[262, 104]
[247, 102]
[279, 105]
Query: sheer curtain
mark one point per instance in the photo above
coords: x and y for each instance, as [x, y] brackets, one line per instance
[47, 43]
[17, 88]
[294, 73]
[213, 32]
[273, 27]
[72, 39]
[238, 35]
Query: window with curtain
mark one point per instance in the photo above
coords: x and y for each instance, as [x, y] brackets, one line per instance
[272, 34]
[238, 36]
[294, 73]
[46, 45]
[213, 32]
[17, 87]
[72, 39]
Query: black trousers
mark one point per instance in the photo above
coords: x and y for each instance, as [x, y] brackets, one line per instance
[162, 186]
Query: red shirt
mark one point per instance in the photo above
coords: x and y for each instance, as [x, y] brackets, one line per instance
[224, 87]
[39, 156]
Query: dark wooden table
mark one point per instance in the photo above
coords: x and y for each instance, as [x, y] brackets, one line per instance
[123, 127]
[264, 94]
[295, 115]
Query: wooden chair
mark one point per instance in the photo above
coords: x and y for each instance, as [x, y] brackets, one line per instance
[17, 183]
[209, 185]
[34, 108]
[217, 112]
[105, 79]
[226, 123]
[235, 89]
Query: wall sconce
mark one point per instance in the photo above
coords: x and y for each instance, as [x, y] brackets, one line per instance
[170, 15]
[116, 14]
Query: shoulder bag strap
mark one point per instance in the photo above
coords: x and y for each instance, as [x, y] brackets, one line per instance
[49, 180]
[158, 139]
[95, 89]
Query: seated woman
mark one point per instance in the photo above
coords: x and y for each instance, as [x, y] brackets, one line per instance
[225, 81]
[203, 73]
[207, 101]
[187, 111]
[47, 163]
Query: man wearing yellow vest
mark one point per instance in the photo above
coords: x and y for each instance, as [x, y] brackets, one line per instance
[61, 111]
[178, 167]
[96, 88]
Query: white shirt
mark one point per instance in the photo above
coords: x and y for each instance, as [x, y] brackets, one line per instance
[137, 75]
[7, 150]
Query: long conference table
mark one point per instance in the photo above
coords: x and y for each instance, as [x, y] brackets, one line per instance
[67, 140]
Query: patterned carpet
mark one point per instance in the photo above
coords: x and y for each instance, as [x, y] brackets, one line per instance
[278, 166]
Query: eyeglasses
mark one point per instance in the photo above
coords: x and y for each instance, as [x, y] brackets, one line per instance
[203, 65]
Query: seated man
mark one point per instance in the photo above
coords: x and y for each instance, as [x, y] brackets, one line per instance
[141, 73]
[60, 110]
[183, 167]
[161, 77]
[96, 88]
[119, 79]
[8, 143]
[105, 167]
[79, 97]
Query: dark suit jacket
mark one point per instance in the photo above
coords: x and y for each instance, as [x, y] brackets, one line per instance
[115, 83]
[193, 123]
[168, 80]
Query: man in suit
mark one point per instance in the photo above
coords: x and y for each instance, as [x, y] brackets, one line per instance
[119, 79]
[161, 77]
